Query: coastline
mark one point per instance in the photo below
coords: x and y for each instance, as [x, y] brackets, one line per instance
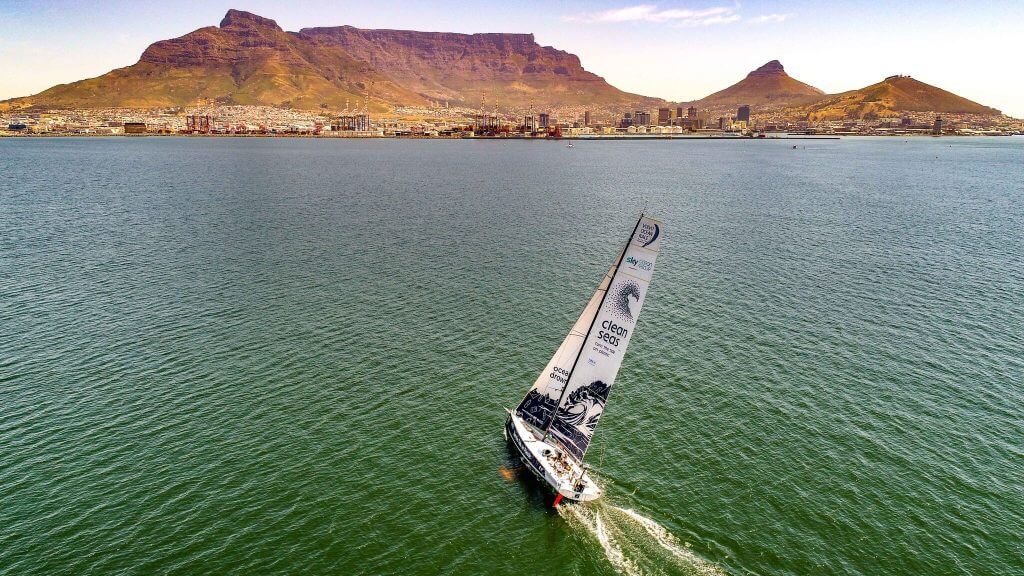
[584, 138]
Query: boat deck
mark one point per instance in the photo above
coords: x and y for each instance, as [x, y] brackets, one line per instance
[550, 463]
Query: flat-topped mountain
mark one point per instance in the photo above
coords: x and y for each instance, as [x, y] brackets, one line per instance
[470, 68]
[249, 59]
[889, 98]
[767, 86]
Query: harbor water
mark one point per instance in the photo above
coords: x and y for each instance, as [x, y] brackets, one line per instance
[294, 356]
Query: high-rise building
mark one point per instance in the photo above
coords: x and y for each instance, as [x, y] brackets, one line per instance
[586, 118]
[691, 113]
[545, 120]
[664, 116]
[679, 112]
[937, 127]
[530, 123]
[627, 120]
[721, 123]
[743, 114]
[197, 123]
[642, 118]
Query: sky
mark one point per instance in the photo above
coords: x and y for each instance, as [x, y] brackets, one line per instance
[679, 50]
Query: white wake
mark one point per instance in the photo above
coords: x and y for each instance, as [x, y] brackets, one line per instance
[634, 544]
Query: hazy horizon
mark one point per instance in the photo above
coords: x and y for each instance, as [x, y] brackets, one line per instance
[679, 51]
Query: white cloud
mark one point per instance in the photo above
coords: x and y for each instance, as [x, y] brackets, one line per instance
[770, 18]
[722, 19]
[651, 13]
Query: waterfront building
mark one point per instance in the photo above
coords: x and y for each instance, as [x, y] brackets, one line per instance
[664, 116]
[642, 118]
[586, 118]
[134, 127]
[743, 114]
[545, 120]
[198, 123]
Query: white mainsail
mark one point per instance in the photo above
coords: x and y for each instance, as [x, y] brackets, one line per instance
[580, 374]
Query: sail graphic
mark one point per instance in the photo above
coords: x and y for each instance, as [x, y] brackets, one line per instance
[539, 403]
[622, 296]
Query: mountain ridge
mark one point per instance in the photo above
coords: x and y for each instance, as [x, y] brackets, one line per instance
[250, 60]
[891, 97]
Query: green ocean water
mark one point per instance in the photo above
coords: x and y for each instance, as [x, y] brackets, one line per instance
[287, 356]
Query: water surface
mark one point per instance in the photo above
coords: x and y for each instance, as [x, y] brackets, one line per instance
[281, 356]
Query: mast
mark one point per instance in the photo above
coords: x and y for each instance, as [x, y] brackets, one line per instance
[565, 388]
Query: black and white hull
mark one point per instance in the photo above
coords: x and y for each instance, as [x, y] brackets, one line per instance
[549, 463]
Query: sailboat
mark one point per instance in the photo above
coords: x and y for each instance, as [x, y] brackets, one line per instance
[552, 427]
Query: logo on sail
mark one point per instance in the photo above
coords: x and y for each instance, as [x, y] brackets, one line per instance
[648, 234]
[639, 263]
[626, 294]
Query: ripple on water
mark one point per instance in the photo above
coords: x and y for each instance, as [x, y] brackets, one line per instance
[292, 356]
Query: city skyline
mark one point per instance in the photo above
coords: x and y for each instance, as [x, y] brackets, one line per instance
[679, 51]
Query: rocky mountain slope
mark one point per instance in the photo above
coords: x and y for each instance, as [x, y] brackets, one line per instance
[511, 69]
[766, 87]
[249, 59]
[890, 98]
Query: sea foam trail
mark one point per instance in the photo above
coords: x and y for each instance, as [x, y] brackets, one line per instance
[590, 519]
[669, 542]
[633, 551]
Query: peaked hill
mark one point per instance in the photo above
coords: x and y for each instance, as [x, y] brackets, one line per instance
[766, 87]
[249, 59]
[889, 98]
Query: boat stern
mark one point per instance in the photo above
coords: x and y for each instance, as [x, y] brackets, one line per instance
[584, 490]
[549, 464]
